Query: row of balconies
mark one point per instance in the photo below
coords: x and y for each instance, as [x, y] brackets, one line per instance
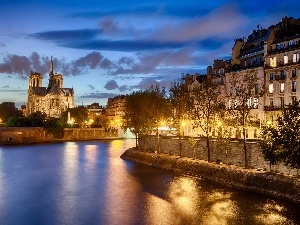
[288, 48]
[281, 64]
[275, 107]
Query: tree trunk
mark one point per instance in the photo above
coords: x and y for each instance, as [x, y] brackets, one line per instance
[245, 148]
[180, 144]
[208, 147]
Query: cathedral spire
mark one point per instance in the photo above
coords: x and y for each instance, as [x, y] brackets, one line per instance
[51, 74]
[51, 66]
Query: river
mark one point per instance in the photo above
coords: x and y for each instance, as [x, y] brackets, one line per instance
[88, 183]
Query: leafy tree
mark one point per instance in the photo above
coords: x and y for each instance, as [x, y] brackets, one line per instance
[207, 107]
[37, 119]
[269, 144]
[181, 104]
[134, 115]
[80, 114]
[245, 90]
[7, 110]
[144, 110]
[289, 136]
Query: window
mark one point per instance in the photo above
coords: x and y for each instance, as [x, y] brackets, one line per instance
[271, 103]
[271, 88]
[256, 88]
[294, 99]
[293, 73]
[293, 86]
[271, 76]
[282, 74]
[281, 102]
[292, 43]
[285, 59]
[222, 80]
[273, 62]
[296, 57]
[281, 87]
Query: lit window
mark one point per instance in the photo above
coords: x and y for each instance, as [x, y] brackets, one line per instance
[294, 57]
[281, 87]
[271, 88]
[273, 62]
[285, 59]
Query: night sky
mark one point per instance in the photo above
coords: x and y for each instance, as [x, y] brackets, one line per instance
[108, 48]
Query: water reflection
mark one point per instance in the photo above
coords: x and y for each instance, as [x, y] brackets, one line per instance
[183, 194]
[272, 213]
[222, 209]
[69, 174]
[88, 183]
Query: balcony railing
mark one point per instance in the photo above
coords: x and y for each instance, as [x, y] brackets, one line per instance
[280, 77]
[288, 48]
[274, 107]
[281, 64]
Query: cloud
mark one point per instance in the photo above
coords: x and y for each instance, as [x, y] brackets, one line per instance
[66, 35]
[98, 95]
[91, 87]
[5, 86]
[111, 85]
[2, 44]
[21, 66]
[220, 22]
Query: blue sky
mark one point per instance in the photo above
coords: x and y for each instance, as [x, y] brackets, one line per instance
[108, 48]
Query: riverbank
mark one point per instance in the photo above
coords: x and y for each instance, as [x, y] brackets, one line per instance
[30, 135]
[275, 185]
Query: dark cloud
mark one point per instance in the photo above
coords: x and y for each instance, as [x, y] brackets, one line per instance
[146, 83]
[21, 66]
[124, 88]
[121, 45]
[2, 44]
[111, 85]
[98, 95]
[91, 87]
[66, 35]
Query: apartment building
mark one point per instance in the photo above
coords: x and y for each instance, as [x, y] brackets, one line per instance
[270, 59]
[282, 68]
[115, 110]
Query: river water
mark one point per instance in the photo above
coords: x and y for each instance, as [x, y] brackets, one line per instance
[88, 183]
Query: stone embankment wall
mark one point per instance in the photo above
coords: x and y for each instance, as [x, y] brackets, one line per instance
[232, 155]
[276, 185]
[28, 135]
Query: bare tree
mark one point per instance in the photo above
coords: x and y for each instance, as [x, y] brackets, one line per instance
[207, 97]
[244, 94]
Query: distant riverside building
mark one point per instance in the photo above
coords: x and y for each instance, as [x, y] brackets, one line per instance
[115, 110]
[51, 100]
[96, 113]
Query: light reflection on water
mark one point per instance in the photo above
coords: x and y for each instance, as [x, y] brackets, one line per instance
[88, 183]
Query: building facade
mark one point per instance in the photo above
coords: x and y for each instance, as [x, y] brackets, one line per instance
[115, 110]
[270, 59]
[51, 100]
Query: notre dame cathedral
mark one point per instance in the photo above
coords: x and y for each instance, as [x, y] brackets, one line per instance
[51, 100]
